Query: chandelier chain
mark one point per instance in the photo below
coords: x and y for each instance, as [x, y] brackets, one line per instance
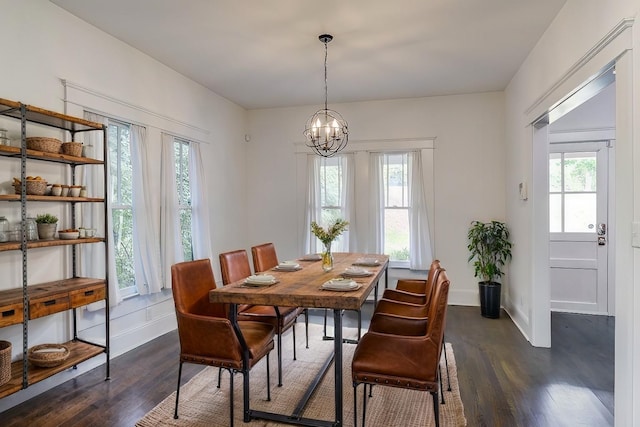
[325, 75]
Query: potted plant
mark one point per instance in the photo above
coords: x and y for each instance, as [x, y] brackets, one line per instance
[327, 237]
[490, 249]
[47, 224]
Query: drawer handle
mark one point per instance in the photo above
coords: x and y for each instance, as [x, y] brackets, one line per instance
[50, 302]
[8, 313]
[87, 293]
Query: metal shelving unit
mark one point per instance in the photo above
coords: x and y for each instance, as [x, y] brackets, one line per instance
[20, 305]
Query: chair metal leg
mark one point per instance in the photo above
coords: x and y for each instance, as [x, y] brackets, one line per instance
[355, 403]
[293, 327]
[219, 376]
[324, 335]
[370, 390]
[440, 382]
[268, 380]
[306, 325]
[446, 364]
[231, 398]
[279, 349]
[364, 405]
[436, 408]
[175, 414]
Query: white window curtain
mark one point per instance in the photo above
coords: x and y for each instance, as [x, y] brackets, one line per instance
[201, 233]
[92, 215]
[146, 247]
[313, 198]
[347, 242]
[170, 240]
[420, 255]
[376, 203]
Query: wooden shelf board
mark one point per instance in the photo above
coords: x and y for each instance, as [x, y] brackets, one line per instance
[6, 150]
[15, 246]
[80, 352]
[32, 198]
[47, 117]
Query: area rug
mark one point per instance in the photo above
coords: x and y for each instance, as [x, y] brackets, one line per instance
[203, 404]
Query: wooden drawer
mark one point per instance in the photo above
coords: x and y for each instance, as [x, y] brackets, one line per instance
[80, 297]
[11, 314]
[46, 305]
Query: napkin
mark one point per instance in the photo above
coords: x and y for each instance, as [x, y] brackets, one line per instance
[356, 271]
[340, 284]
[261, 278]
[288, 265]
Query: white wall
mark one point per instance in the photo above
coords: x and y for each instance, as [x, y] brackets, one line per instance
[469, 163]
[42, 44]
[552, 69]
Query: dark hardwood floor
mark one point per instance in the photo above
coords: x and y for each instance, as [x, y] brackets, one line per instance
[503, 380]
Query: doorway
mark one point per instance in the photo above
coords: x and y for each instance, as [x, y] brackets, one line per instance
[578, 227]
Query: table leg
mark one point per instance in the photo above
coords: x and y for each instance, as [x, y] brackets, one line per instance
[337, 318]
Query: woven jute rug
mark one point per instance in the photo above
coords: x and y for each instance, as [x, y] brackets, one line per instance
[203, 404]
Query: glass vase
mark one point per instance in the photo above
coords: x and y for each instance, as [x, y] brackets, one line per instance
[327, 257]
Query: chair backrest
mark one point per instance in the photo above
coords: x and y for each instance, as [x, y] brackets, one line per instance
[432, 277]
[264, 257]
[234, 266]
[191, 282]
[438, 309]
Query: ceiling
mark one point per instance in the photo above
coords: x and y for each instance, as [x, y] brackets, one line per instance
[262, 54]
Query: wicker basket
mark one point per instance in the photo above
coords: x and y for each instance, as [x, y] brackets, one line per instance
[35, 187]
[48, 355]
[48, 145]
[5, 362]
[72, 148]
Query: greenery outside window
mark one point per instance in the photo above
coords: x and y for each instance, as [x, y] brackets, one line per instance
[120, 170]
[183, 187]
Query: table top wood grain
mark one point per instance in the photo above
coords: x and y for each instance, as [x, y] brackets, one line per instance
[302, 288]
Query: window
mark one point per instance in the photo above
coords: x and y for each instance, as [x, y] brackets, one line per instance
[183, 188]
[120, 169]
[396, 206]
[572, 192]
[331, 188]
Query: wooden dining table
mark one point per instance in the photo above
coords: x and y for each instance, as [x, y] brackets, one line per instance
[303, 288]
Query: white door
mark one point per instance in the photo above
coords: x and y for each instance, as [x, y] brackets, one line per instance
[578, 226]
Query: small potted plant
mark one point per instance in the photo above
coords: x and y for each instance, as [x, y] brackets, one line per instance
[327, 237]
[490, 249]
[47, 225]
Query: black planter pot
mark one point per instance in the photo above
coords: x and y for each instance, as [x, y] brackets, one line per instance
[490, 299]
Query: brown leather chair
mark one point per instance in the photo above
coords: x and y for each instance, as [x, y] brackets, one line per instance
[412, 300]
[235, 266]
[207, 336]
[404, 361]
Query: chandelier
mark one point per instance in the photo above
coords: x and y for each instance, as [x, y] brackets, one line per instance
[326, 131]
